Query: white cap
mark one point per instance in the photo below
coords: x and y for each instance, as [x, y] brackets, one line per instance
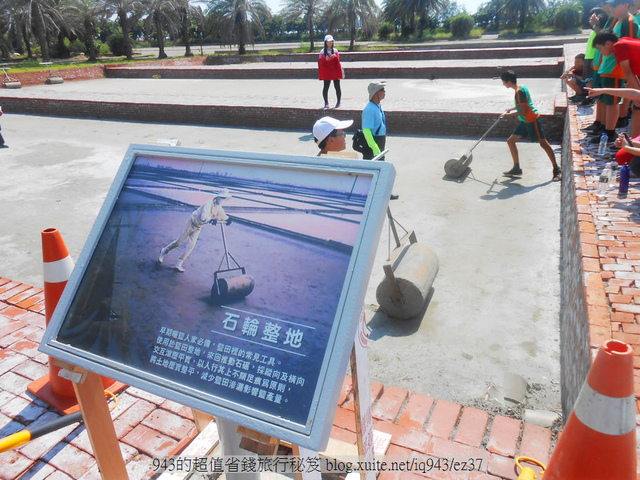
[323, 127]
[223, 194]
[328, 38]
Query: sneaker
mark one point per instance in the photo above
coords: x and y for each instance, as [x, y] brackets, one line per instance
[326, 106]
[179, 266]
[557, 174]
[596, 139]
[4, 146]
[163, 252]
[622, 122]
[514, 172]
[594, 126]
[394, 196]
[338, 105]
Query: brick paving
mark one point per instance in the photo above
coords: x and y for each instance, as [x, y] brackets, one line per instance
[148, 426]
[610, 235]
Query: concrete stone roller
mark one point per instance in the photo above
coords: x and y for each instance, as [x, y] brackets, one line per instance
[413, 273]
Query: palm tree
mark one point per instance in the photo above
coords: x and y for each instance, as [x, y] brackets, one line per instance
[347, 13]
[237, 19]
[523, 8]
[188, 13]
[163, 13]
[82, 16]
[128, 12]
[307, 9]
[401, 11]
[38, 17]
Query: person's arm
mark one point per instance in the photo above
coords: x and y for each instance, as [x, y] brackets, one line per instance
[630, 93]
[632, 80]
[635, 151]
[368, 135]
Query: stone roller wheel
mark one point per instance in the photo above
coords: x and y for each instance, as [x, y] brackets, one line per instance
[455, 167]
[232, 289]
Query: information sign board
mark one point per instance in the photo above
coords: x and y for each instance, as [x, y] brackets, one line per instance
[229, 282]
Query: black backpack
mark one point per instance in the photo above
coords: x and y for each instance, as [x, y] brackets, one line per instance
[359, 142]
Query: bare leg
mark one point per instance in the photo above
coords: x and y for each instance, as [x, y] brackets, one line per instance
[511, 141]
[544, 143]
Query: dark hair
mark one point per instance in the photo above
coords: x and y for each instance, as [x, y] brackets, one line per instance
[605, 36]
[325, 50]
[509, 76]
[323, 143]
[580, 56]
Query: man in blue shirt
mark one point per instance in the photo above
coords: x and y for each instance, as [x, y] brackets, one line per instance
[374, 124]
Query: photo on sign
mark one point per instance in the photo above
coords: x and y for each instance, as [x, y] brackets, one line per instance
[221, 278]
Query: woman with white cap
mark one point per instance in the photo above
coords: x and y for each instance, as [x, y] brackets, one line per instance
[330, 69]
[328, 132]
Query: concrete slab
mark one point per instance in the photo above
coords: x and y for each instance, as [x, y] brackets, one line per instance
[452, 95]
[496, 298]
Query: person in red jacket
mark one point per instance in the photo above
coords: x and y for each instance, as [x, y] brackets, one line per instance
[329, 68]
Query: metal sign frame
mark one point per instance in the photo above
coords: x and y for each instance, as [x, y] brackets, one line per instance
[310, 422]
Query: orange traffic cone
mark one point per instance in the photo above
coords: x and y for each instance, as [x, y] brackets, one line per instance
[52, 388]
[599, 439]
[57, 270]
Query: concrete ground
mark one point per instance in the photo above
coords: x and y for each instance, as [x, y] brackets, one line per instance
[495, 304]
[457, 95]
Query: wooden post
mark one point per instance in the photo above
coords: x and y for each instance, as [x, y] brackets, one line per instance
[97, 419]
[230, 442]
[362, 398]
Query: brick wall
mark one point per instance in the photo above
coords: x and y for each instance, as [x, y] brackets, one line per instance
[93, 72]
[410, 123]
[385, 56]
[574, 325]
[39, 78]
[549, 70]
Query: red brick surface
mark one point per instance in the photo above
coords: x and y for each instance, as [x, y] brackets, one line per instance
[416, 411]
[504, 436]
[443, 419]
[473, 424]
[390, 404]
[149, 426]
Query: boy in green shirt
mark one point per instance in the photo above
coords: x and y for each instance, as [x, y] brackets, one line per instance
[529, 126]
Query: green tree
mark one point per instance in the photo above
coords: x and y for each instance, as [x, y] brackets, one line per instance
[306, 9]
[346, 14]
[236, 20]
[523, 8]
[490, 15]
[128, 12]
[188, 13]
[82, 17]
[164, 16]
[567, 17]
[461, 25]
[403, 11]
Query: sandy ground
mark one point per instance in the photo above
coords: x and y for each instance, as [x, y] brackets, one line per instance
[495, 304]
